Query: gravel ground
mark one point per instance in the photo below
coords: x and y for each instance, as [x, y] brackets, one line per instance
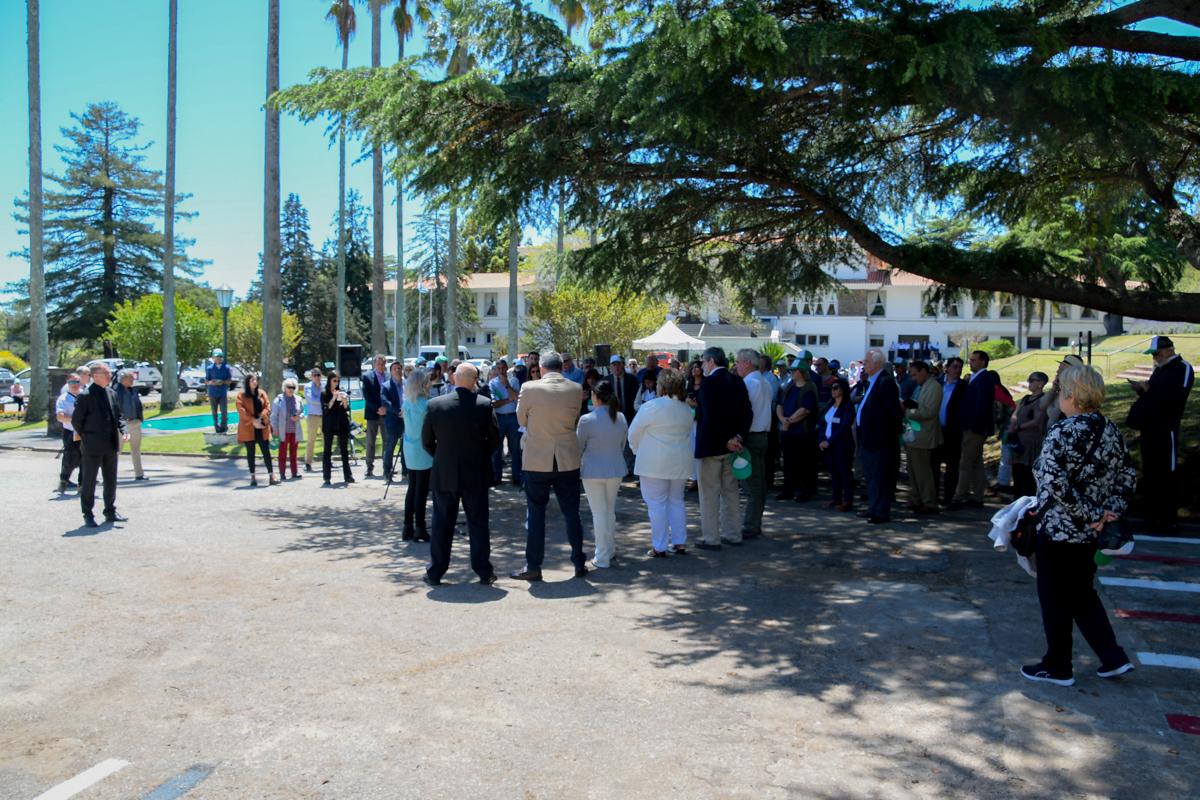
[282, 637]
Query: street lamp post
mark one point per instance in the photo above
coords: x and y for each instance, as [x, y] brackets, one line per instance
[225, 301]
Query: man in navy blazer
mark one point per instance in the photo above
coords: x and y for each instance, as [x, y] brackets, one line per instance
[977, 419]
[374, 410]
[878, 418]
[723, 416]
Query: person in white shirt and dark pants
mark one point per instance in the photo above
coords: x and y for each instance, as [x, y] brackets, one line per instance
[756, 441]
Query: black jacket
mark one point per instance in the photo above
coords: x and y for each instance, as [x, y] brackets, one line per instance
[372, 395]
[977, 412]
[628, 393]
[953, 427]
[98, 421]
[460, 432]
[335, 418]
[722, 412]
[1160, 408]
[880, 415]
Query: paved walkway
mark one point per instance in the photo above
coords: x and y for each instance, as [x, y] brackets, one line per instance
[230, 642]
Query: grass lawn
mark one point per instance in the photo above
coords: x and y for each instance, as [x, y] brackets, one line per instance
[1111, 356]
[192, 443]
[14, 422]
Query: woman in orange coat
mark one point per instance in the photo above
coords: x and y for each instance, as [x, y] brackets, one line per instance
[254, 424]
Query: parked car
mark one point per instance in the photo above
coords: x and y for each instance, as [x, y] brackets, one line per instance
[431, 351]
[191, 379]
[481, 364]
[115, 365]
[7, 379]
[150, 374]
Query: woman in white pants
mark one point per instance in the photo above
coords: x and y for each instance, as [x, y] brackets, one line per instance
[659, 437]
[601, 433]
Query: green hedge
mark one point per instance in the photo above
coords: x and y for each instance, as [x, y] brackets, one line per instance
[997, 348]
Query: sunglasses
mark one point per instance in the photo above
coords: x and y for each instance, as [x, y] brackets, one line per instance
[76, 383]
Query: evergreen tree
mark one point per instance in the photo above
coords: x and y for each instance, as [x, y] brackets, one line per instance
[358, 261]
[101, 245]
[298, 258]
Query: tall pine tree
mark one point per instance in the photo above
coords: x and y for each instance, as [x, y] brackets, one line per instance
[298, 261]
[101, 244]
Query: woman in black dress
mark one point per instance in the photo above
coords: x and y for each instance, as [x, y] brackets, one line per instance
[335, 422]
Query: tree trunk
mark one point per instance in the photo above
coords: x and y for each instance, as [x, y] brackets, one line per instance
[36, 407]
[170, 374]
[514, 257]
[341, 247]
[108, 281]
[272, 367]
[562, 221]
[378, 329]
[400, 345]
[450, 309]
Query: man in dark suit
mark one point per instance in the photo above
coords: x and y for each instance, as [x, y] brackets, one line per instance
[625, 388]
[373, 409]
[878, 419]
[977, 418]
[949, 452]
[97, 421]
[460, 432]
[723, 417]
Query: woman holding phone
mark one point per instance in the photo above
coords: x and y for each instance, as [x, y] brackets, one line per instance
[335, 423]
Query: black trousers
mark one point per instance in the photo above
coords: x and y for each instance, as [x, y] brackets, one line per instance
[70, 455]
[774, 450]
[950, 454]
[1160, 486]
[106, 465]
[839, 460]
[800, 464]
[1023, 481]
[445, 515]
[416, 498]
[1067, 593]
[327, 457]
[262, 445]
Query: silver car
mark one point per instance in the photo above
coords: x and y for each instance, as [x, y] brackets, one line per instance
[7, 379]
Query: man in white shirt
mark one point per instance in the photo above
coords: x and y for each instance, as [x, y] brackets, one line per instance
[64, 407]
[755, 442]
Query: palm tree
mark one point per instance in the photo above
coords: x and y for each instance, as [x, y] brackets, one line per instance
[39, 346]
[170, 385]
[404, 25]
[272, 367]
[378, 331]
[342, 14]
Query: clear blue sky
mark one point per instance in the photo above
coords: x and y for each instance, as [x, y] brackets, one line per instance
[91, 52]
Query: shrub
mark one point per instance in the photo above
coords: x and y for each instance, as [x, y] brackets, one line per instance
[12, 361]
[997, 348]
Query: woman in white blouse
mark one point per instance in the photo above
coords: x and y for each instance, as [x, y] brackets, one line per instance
[659, 436]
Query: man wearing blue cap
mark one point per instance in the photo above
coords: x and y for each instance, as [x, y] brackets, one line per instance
[216, 382]
[1157, 414]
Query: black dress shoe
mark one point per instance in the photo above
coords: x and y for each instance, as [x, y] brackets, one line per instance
[428, 581]
[878, 520]
[531, 575]
[90, 522]
[350, 479]
[750, 535]
[488, 580]
[72, 485]
[862, 514]
[422, 535]
[581, 572]
[707, 546]
[116, 517]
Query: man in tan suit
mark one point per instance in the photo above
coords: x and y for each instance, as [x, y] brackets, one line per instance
[548, 410]
[923, 409]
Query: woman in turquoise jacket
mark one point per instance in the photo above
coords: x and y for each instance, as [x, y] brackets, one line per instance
[418, 459]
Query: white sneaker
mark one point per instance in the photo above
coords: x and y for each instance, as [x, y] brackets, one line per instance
[1115, 671]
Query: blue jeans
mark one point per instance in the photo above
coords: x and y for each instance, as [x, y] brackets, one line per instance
[510, 431]
[877, 471]
[566, 490]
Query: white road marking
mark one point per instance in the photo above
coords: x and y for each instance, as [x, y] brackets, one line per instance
[1143, 583]
[1168, 660]
[83, 780]
[1169, 539]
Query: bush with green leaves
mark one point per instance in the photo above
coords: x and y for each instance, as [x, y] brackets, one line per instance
[997, 348]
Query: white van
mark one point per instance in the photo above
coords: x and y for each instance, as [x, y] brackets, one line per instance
[431, 351]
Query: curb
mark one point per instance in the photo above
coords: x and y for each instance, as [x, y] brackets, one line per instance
[205, 456]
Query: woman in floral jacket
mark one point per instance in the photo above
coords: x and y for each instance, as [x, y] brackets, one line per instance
[1085, 479]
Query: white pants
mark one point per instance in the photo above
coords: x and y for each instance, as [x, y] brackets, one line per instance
[664, 503]
[602, 499]
[720, 506]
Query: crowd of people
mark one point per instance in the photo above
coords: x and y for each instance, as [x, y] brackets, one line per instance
[723, 429]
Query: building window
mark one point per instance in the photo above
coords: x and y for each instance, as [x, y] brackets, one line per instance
[1033, 343]
[470, 338]
[951, 344]
[1007, 309]
[952, 311]
[489, 303]
[807, 310]
[983, 308]
[875, 341]
[488, 337]
[877, 309]
[1060, 311]
[793, 310]
[823, 341]
[1061, 341]
[1087, 313]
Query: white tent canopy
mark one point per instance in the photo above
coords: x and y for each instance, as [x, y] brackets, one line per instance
[668, 337]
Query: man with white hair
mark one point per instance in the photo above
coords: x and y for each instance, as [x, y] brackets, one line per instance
[101, 429]
[755, 442]
[459, 431]
[878, 419]
[131, 409]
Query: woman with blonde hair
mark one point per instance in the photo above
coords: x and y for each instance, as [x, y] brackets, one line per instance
[1084, 481]
[659, 437]
[416, 457]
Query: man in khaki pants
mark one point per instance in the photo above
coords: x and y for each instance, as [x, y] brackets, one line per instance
[312, 408]
[131, 409]
[923, 408]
